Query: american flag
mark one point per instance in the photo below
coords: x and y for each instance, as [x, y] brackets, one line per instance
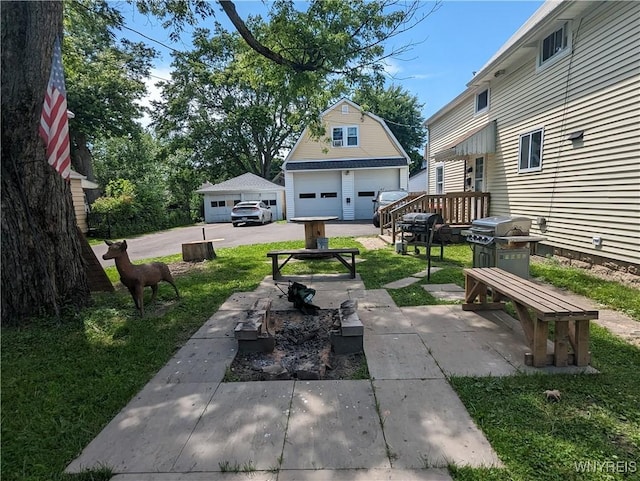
[54, 124]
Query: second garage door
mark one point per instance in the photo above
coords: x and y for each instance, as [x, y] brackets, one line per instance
[318, 194]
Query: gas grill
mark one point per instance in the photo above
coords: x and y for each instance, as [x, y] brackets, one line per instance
[502, 241]
[424, 229]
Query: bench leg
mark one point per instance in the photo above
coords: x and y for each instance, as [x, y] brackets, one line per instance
[539, 348]
[275, 269]
[581, 354]
[351, 267]
[561, 344]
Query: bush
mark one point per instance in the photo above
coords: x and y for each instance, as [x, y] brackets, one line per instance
[128, 209]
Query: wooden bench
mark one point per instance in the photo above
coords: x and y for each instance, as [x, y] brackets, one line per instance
[313, 254]
[536, 306]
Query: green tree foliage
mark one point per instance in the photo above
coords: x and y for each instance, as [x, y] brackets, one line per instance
[104, 79]
[343, 37]
[236, 110]
[403, 114]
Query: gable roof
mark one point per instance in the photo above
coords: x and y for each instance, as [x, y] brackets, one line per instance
[242, 183]
[357, 107]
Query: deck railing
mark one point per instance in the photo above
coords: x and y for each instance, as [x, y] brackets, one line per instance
[456, 208]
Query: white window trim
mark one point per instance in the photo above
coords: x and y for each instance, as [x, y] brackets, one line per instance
[475, 105]
[540, 65]
[345, 138]
[530, 134]
[435, 178]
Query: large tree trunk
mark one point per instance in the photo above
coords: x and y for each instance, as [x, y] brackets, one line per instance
[42, 266]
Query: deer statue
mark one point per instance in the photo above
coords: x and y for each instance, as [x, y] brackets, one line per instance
[137, 277]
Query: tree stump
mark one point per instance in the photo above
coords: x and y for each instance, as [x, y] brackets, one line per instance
[198, 251]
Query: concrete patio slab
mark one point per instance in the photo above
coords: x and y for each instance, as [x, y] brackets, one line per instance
[240, 301]
[244, 425]
[434, 319]
[199, 360]
[376, 298]
[334, 425]
[251, 476]
[330, 299]
[426, 425]
[400, 283]
[460, 354]
[447, 292]
[221, 324]
[423, 273]
[366, 475]
[150, 432]
[400, 356]
[385, 320]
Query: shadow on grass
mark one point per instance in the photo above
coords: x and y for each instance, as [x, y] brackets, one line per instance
[596, 421]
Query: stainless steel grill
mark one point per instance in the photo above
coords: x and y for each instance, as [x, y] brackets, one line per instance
[502, 241]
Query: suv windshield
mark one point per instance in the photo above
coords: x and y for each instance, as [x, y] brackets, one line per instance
[389, 197]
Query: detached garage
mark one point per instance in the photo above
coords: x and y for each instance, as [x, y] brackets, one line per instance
[220, 198]
[340, 174]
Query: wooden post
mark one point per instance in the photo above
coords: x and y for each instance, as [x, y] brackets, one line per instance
[198, 251]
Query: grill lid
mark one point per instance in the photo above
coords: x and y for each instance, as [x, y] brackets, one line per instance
[502, 226]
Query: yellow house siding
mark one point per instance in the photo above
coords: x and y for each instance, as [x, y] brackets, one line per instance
[374, 142]
[586, 188]
[77, 195]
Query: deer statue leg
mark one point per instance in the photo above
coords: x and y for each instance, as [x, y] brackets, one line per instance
[154, 292]
[139, 298]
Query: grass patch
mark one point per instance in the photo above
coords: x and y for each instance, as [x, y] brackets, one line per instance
[62, 383]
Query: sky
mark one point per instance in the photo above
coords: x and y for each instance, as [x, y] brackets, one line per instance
[453, 42]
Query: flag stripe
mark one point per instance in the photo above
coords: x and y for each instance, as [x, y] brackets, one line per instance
[54, 122]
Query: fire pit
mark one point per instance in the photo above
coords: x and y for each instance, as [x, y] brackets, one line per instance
[302, 350]
[308, 343]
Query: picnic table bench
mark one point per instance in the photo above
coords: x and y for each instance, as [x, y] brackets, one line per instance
[536, 306]
[313, 254]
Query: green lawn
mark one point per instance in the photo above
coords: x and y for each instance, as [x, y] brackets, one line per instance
[61, 384]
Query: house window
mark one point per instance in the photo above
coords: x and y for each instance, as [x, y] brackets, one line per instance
[482, 101]
[530, 155]
[311, 195]
[345, 109]
[328, 195]
[554, 44]
[367, 193]
[339, 134]
[236, 201]
[337, 137]
[214, 203]
[218, 203]
[272, 202]
[440, 178]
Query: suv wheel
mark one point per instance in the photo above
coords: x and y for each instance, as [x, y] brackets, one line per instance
[376, 219]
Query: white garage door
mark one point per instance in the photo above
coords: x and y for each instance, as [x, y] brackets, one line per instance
[317, 193]
[367, 185]
[218, 208]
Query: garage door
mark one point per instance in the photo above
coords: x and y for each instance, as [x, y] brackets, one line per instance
[318, 193]
[368, 183]
[218, 208]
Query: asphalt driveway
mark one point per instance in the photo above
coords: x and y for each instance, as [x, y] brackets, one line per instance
[225, 235]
